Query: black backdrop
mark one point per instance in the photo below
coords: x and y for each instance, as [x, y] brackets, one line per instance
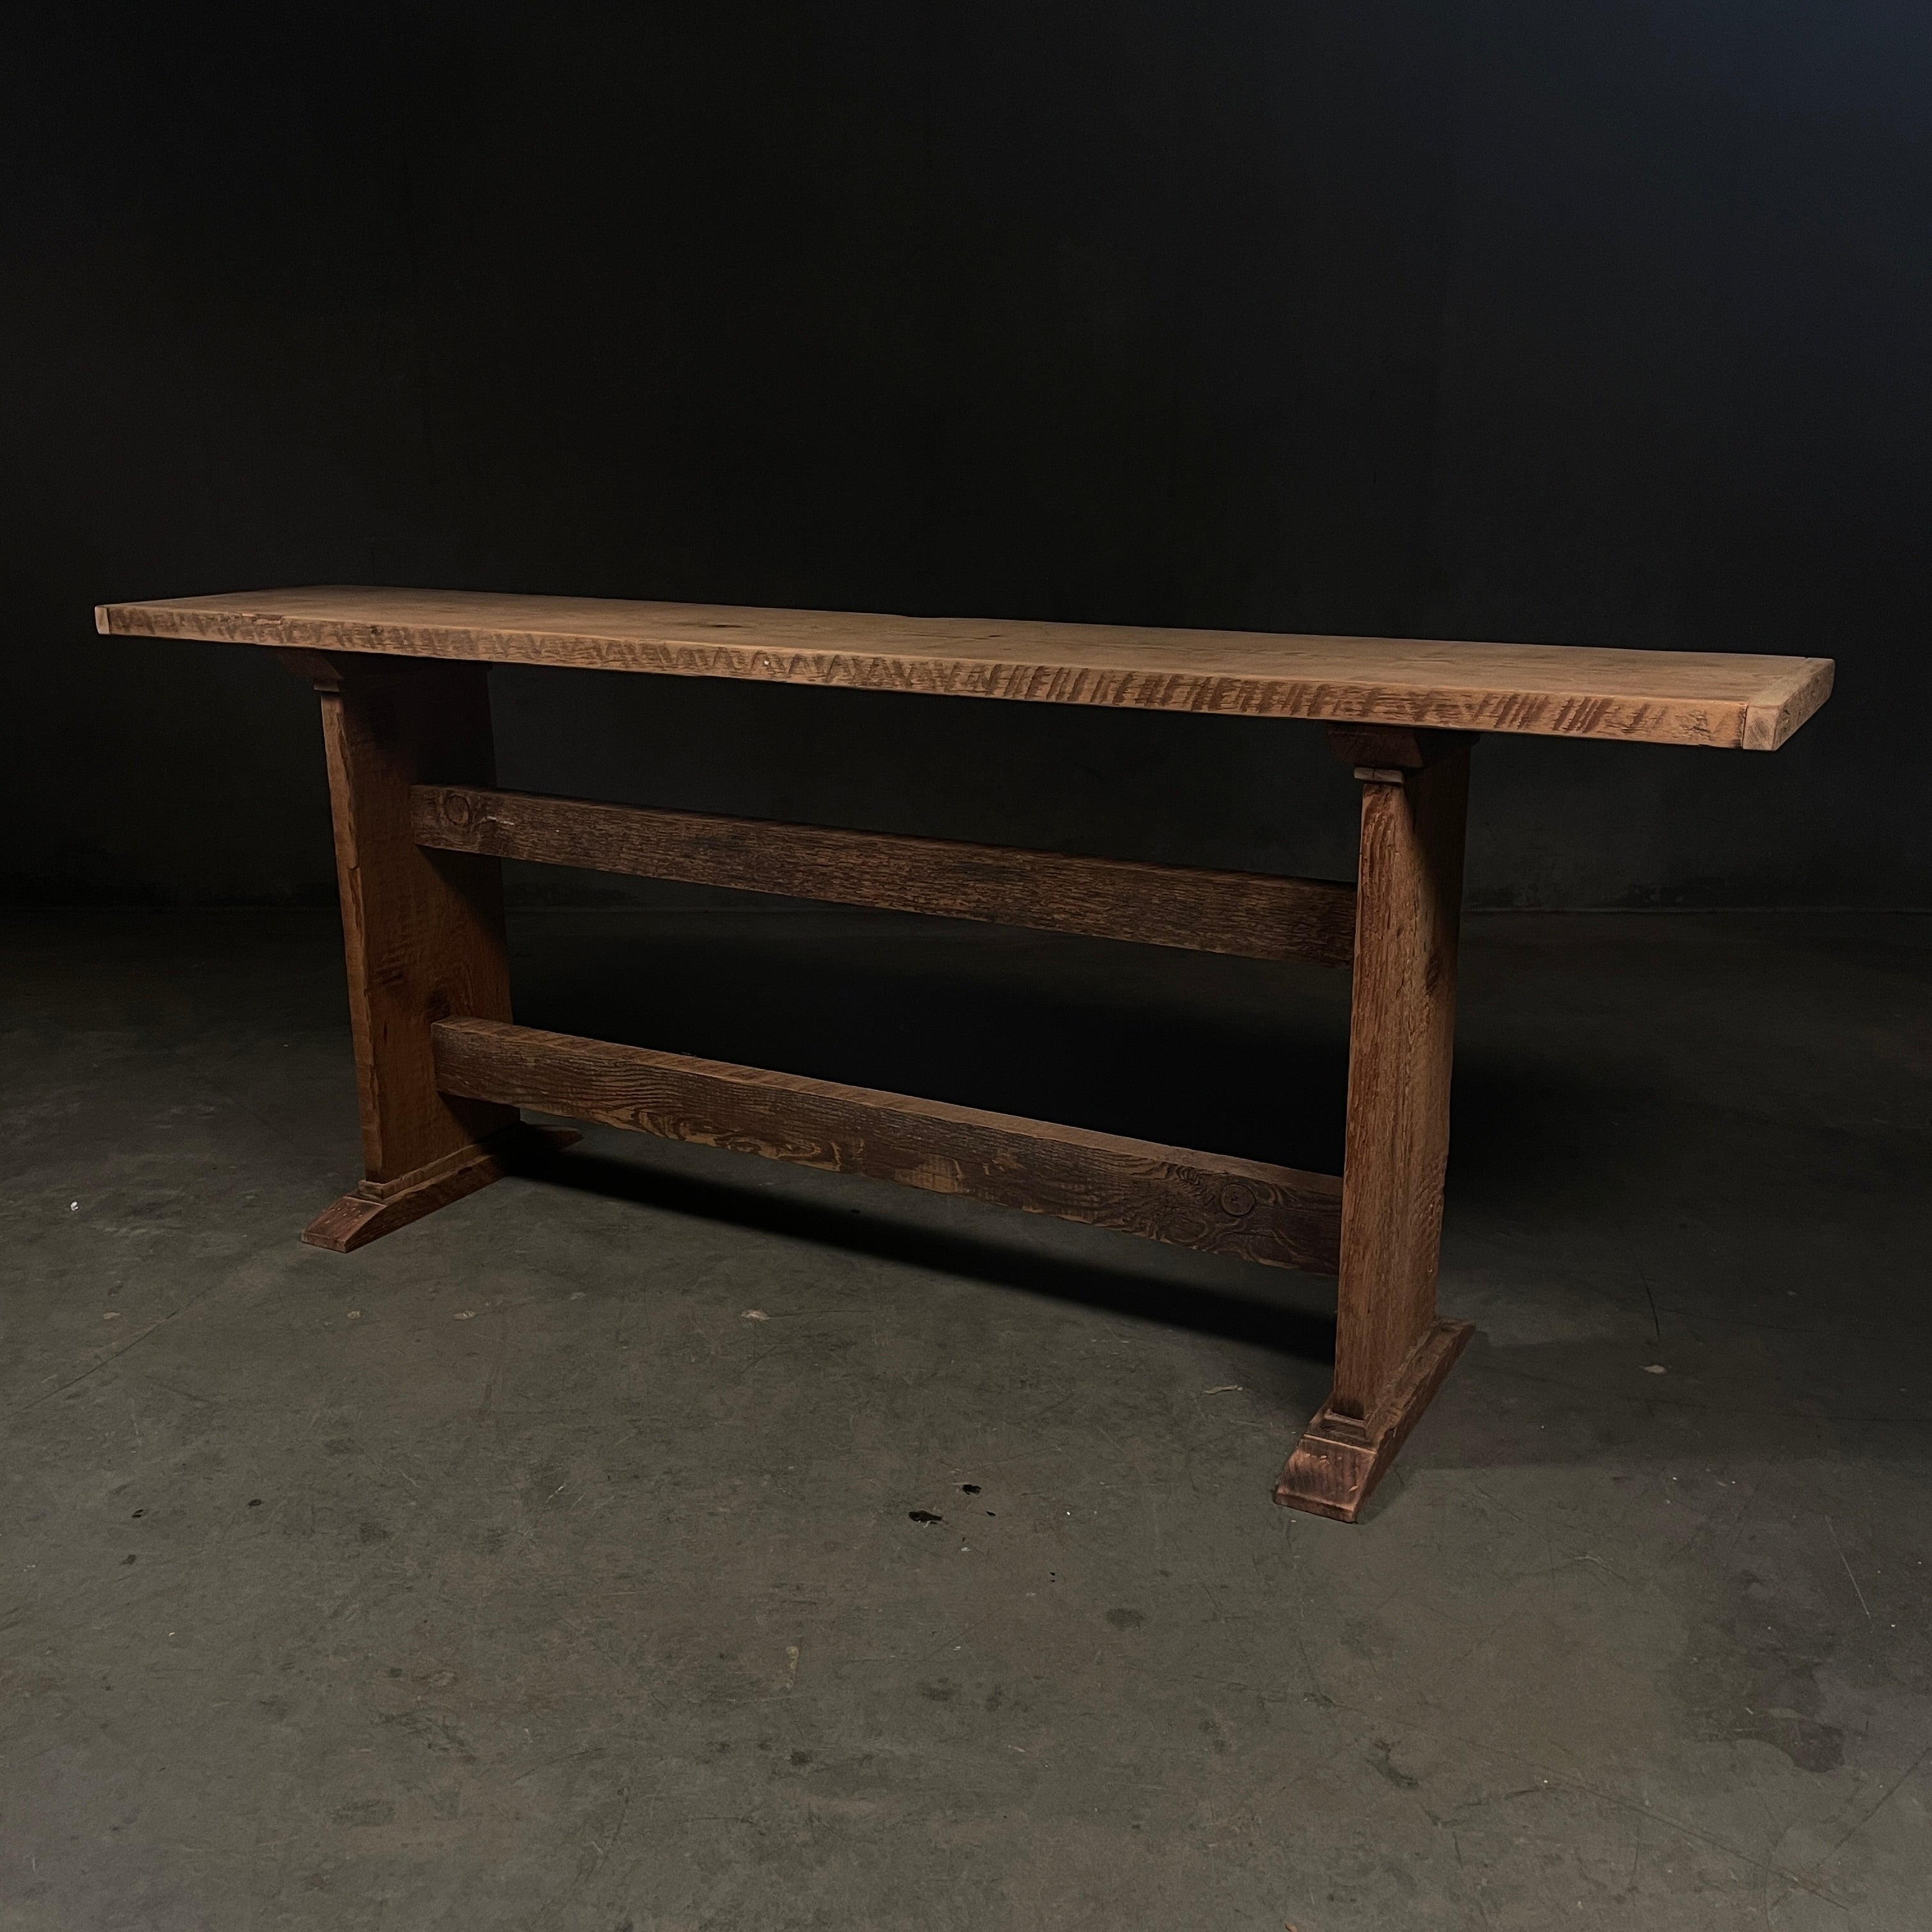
[1589, 322]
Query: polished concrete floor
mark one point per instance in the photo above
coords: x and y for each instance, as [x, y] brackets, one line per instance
[674, 1541]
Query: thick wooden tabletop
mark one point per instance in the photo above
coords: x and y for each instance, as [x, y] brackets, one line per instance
[1668, 698]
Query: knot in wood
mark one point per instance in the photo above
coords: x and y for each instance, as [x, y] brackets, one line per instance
[1237, 1199]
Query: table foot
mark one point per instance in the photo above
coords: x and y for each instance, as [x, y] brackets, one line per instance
[1339, 1459]
[379, 1207]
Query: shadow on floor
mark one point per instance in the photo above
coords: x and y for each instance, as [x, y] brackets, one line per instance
[1636, 1125]
[1227, 1056]
[1258, 1319]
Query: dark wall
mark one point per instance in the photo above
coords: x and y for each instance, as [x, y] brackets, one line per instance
[1597, 323]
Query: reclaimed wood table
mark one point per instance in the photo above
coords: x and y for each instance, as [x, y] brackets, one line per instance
[420, 827]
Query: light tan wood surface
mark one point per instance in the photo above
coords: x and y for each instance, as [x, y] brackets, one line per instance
[1672, 698]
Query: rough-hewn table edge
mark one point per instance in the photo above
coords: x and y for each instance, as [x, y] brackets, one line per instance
[1785, 704]
[1763, 722]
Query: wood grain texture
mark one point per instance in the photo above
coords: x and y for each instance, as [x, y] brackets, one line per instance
[1671, 697]
[1407, 913]
[1246, 913]
[422, 931]
[1213, 1202]
[376, 1208]
[1335, 1467]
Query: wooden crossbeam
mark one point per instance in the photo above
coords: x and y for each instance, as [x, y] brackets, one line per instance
[1214, 1202]
[1251, 914]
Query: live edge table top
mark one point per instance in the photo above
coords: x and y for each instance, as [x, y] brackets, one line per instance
[1670, 698]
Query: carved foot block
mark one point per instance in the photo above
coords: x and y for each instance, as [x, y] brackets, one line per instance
[1339, 1459]
[379, 1207]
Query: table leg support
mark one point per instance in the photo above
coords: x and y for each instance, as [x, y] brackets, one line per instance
[1391, 1350]
[423, 936]
[376, 1208]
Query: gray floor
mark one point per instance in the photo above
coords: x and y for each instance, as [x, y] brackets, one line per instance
[554, 1563]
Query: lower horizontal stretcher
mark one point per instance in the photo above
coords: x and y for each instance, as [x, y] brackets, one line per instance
[1216, 1203]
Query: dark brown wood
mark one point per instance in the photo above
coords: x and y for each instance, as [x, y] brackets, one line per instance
[1250, 914]
[376, 1208]
[1339, 1459]
[1394, 747]
[1408, 912]
[1401, 1042]
[1213, 1202]
[422, 931]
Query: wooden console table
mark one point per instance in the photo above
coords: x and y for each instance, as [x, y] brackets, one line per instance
[441, 1070]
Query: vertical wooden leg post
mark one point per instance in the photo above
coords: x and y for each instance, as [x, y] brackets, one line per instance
[423, 932]
[1391, 1351]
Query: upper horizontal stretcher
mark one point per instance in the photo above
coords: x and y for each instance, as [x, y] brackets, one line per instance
[1667, 697]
